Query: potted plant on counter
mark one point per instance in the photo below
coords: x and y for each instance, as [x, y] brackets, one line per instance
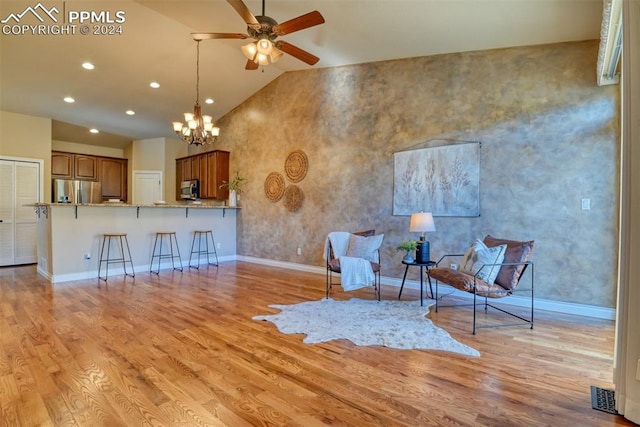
[235, 188]
[408, 246]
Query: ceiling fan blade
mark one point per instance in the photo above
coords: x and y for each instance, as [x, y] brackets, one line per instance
[205, 36]
[300, 23]
[251, 65]
[295, 51]
[243, 11]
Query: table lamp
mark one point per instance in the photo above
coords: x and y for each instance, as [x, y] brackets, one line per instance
[420, 223]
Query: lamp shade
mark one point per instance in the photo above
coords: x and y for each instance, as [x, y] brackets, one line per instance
[249, 50]
[421, 222]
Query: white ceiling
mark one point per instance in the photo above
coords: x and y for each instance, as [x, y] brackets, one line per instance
[37, 71]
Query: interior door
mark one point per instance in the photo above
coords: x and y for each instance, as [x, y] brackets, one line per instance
[19, 186]
[7, 188]
[26, 193]
[147, 187]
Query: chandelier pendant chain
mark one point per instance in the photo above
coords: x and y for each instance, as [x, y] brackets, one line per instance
[197, 72]
[199, 129]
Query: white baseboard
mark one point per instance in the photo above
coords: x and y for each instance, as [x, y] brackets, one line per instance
[515, 300]
[116, 271]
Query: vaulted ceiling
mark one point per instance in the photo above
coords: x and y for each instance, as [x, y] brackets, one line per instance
[155, 44]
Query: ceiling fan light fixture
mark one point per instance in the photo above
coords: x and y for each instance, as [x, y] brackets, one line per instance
[275, 55]
[250, 50]
[264, 31]
[264, 46]
[262, 59]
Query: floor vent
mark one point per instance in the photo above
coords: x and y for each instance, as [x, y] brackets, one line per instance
[603, 400]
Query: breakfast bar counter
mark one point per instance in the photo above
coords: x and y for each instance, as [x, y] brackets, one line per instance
[69, 235]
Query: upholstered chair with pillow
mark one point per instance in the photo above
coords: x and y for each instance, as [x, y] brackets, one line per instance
[490, 268]
[356, 257]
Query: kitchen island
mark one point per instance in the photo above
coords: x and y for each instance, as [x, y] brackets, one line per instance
[69, 236]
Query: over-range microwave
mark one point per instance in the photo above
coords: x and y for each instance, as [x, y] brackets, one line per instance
[190, 190]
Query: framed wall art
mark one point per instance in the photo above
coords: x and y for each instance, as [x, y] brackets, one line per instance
[443, 180]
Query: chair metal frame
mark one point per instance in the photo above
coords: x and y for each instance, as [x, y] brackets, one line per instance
[330, 271]
[488, 294]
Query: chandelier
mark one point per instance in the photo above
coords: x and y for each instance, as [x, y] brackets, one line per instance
[197, 129]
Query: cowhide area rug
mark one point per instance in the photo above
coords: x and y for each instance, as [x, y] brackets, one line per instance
[394, 324]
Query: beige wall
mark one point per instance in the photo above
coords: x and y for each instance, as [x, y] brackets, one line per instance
[93, 150]
[549, 138]
[27, 137]
[147, 154]
[158, 154]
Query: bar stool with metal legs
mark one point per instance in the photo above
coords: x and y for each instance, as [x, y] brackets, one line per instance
[106, 241]
[162, 235]
[199, 235]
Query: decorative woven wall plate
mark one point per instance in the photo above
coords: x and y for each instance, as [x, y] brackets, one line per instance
[293, 198]
[274, 186]
[296, 166]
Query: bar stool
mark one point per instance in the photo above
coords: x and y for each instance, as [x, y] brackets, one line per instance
[106, 240]
[199, 234]
[162, 235]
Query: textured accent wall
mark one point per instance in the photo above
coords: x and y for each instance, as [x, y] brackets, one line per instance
[549, 138]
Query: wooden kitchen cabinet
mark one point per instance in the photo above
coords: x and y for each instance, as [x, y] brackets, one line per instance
[112, 173]
[85, 167]
[195, 167]
[62, 165]
[211, 169]
[186, 169]
[217, 174]
[203, 170]
[74, 166]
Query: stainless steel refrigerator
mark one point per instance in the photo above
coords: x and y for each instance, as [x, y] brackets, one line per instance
[76, 191]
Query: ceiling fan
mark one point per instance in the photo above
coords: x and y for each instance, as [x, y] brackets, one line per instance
[264, 30]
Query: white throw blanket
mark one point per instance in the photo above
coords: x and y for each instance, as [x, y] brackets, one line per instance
[339, 242]
[355, 273]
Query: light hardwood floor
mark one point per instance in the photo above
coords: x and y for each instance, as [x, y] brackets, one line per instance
[182, 349]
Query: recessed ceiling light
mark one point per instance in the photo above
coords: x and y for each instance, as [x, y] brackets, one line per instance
[94, 130]
[88, 66]
[208, 101]
[154, 85]
[69, 99]
[130, 112]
